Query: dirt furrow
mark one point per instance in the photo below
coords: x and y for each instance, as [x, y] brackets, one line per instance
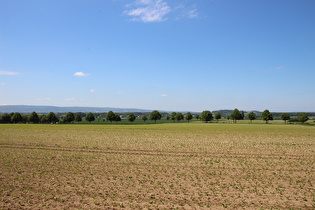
[167, 153]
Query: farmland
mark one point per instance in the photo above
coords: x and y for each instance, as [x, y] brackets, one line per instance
[157, 166]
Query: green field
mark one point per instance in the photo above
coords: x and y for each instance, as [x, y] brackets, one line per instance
[157, 166]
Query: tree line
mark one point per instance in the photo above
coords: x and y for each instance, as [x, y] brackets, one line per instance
[70, 117]
[205, 116]
[266, 116]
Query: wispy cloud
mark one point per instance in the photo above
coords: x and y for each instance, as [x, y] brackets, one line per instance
[279, 67]
[149, 10]
[70, 99]
[192, 13]
[2, 84]
[164, 95]
[92, 91]
[80, 74]
[182, 11]
[8, 73]
[44, 99]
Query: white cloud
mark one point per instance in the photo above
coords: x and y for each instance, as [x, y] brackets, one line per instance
[8, 73]
[183, 11]
[80, 74]
[164, 95]
[192, 13]
[2, 84]
[44, 99]
[92, 91]
[149, 10]
[70, 99]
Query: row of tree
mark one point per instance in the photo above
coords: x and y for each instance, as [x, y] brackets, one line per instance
[70, 117]
[205, 116]
[266, 116]
[51, 117]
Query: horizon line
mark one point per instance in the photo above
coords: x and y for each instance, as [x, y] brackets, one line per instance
[249, 110]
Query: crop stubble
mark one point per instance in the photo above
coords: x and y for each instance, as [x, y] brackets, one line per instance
[157, 166]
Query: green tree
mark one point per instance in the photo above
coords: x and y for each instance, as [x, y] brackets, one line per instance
[251, 116]
[285, 117]
[110, 116]
[5, 118]
[179, 116]
[303, 117]
[25, 118]
[144, 118]
[69, 118]
[188, 116]
[117, 118]
[16, 117]
[52, 118]
[131, 117]
[242, 115]
[206, 116]
[266, 116]
[155, 115]
[78, 118]
[173, 116]
[197, 116]
[90, 117]
[34, 117]
[217, 116]
[236, 115]
[43, 118]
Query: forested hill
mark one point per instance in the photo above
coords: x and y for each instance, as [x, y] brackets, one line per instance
[47, 109]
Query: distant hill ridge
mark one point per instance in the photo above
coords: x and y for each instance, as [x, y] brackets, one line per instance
[47, 109]
[59, 109]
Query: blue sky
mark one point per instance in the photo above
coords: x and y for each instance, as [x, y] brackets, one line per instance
[182, 55]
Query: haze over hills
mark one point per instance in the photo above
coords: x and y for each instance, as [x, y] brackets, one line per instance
[59, 109]
[47, 109]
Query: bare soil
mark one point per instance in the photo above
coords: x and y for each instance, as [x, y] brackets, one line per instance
[55, 177]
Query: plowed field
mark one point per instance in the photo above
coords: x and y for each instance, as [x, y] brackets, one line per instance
[163, 166]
